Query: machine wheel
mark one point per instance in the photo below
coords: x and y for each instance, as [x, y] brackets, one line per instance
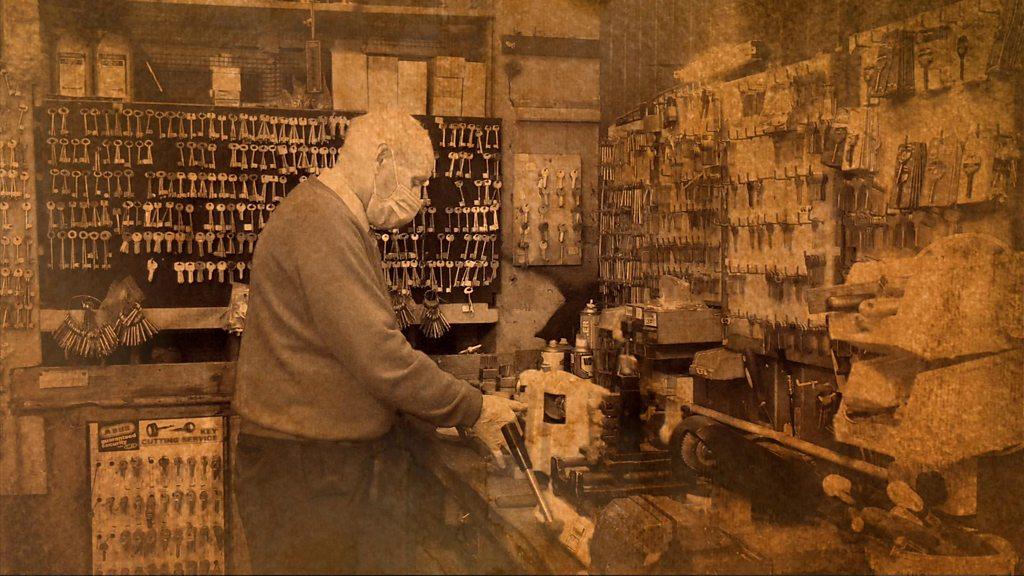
[690, 453]
[696, 454]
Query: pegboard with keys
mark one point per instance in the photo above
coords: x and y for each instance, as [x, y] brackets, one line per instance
[453, 245]
[548, 210]
[173, 195]
[176, 196]
[775, 183]
[18, 285]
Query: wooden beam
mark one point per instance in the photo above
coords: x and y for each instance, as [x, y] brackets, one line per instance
[519, 45]
[573, 115]
[152, 384]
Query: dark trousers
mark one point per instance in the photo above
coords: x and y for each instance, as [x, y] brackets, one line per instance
[305, 505]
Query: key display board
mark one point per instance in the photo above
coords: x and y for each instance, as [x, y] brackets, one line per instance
[176, 195]
[548, 210]
[158, 497]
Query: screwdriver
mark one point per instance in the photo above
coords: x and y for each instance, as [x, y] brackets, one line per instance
[517, 447]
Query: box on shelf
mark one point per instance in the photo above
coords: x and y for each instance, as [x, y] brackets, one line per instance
[412, 86]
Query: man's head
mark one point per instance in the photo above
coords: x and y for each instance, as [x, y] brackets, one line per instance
[385, 155]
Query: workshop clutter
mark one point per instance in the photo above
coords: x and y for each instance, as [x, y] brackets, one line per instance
[777, 182]
[857, 253]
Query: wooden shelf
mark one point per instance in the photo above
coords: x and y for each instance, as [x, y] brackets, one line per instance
[213, 318]
[458, 8]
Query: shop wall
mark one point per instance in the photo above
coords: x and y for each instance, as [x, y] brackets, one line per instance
[549, 105]
[644, 41]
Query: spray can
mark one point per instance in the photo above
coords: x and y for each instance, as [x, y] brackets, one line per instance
[582, 359]
[588, 324]
[552, 357]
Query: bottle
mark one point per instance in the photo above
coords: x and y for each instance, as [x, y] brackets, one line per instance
[588, 324]
[582, 359]
[566, 349]
[552, 358]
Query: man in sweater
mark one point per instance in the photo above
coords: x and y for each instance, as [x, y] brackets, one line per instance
[323, 368]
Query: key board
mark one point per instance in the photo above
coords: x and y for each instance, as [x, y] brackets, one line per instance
[158, 498]
[176, 195]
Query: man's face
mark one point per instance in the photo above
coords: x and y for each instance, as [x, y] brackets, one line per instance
[408, 171]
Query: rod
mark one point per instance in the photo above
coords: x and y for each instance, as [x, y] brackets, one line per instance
[792, 442]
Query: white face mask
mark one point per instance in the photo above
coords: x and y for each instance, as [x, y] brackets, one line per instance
[391, 209]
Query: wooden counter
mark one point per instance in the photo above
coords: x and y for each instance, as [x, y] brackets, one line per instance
[464, 474]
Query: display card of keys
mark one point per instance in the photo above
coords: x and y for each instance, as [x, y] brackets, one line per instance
[175, 193]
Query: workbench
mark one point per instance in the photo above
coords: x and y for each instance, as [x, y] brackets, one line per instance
[475, 485]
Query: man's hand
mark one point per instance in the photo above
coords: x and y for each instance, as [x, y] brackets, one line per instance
[495, 412]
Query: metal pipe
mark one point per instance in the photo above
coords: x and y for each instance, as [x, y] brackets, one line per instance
[804, 446]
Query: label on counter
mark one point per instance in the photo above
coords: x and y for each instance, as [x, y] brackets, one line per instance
[650, 319]
[63, 379]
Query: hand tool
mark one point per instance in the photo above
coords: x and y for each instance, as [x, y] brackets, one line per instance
[517, 447]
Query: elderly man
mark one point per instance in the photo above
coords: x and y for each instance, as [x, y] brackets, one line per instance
[323, 368]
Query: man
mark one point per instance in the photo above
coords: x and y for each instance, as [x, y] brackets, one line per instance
[324, 368]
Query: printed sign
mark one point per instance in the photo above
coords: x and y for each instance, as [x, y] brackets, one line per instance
[117, 437]
[158, 496]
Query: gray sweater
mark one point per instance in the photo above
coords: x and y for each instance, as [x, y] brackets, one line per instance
[322, 355]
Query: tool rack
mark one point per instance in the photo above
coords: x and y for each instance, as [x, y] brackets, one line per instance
[760, 189]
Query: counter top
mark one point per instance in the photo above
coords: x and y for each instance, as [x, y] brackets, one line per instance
[463, 471]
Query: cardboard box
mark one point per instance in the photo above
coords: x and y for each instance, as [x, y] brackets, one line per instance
[450, 66]
[474, 90]
[412, 86]
[349, 80]
[446, 99]
[382, 82]
[226, 85]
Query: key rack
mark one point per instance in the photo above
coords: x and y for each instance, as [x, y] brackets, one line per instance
[176, 195]
[548, 210]
[760, 189]
[158, 495]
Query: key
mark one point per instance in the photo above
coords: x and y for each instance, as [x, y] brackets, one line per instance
[22, 108]
[970, 168]
[561, 242]
[961, 52]
[462, 197]
[63, 111]
[452, 157]
[151, 267]
[444, 130]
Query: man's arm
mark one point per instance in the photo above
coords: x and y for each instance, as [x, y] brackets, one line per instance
[356, 322]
